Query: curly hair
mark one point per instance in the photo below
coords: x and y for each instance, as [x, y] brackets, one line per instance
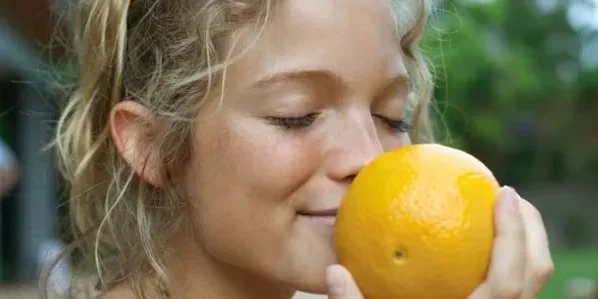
[168, 56]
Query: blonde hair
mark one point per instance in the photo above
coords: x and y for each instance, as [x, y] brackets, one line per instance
[168, 56]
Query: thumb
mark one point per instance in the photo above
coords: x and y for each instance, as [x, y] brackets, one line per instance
[341, 284]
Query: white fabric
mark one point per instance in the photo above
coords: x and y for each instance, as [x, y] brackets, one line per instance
[60, 276]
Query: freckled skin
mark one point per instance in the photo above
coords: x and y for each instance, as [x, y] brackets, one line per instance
[318, 96]
[248, 177]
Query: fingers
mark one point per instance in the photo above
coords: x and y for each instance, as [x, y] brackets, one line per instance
[507, 268]
[539, 261]
[341, 284]
[507, 272]
[521, 262]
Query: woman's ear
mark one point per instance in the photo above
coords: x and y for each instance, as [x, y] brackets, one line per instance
[131, 125]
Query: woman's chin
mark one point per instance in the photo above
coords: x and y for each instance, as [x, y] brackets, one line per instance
[312, 279]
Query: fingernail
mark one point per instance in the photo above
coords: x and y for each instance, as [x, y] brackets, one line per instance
[512, 198]
[335, 281]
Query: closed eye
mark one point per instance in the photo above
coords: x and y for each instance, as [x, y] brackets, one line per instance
[398, 125]
[289, 123]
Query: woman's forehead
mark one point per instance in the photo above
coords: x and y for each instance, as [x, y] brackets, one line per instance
[352, 40]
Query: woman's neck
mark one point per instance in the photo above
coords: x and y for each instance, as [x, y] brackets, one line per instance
[195, 274]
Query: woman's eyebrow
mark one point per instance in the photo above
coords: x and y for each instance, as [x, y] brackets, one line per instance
[325, 77]
[401, 81]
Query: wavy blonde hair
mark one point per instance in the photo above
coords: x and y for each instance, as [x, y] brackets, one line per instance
[168, 56]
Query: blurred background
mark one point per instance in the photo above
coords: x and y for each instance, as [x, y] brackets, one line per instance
[517, 86]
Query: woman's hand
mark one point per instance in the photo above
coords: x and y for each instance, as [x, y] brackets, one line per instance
[521, 261]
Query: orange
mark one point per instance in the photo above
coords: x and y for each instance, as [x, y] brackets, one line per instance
[417, 223]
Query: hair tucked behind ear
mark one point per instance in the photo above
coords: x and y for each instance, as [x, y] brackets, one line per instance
[136, 49]
[167, 55]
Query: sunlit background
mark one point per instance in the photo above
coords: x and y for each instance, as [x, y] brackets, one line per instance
[517, 86]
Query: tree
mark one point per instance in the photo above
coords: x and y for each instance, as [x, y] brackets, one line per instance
[511, 88]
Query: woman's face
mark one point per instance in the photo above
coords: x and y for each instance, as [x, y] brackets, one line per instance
[319, 96]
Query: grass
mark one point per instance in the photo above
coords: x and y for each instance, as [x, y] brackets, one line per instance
[570, 264]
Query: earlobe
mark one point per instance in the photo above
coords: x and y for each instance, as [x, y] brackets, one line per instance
[130, 126]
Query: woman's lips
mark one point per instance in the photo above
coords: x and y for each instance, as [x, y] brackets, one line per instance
[326, 217]
[320, 213]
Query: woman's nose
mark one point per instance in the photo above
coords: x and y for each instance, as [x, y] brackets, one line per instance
[356, 146]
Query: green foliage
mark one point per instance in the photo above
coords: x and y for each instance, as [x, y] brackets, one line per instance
[570, 265]
[511, 89]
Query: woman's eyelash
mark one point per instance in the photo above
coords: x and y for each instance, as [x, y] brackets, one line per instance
[306, 120]
[395, 125]
[294, 122]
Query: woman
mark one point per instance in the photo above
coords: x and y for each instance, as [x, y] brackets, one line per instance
[204, 138]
